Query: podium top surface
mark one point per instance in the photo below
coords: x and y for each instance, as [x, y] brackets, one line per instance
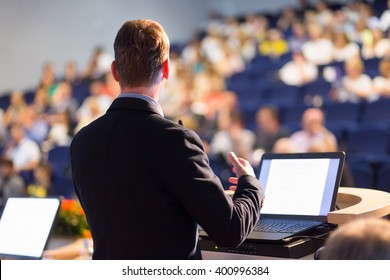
[359, 203]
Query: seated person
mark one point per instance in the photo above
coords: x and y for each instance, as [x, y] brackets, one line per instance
[381, 83]
[355, 85]
[362, 239]
[41, 185]
[298, 71]
[11, 184]
[314, 136]
[269, 128]
[232, 136]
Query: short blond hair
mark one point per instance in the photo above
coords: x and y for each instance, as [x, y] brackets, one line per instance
[362, 239]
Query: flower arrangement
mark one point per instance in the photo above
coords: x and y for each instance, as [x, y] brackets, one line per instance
[72, 220]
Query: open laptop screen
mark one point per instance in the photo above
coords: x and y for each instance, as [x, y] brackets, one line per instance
[25, 226]
[300, 184]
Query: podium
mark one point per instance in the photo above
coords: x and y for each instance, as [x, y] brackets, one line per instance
[352, 203]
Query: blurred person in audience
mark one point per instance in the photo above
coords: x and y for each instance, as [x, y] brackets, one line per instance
[375, 44]
[93, 106]
[298, 71]
[41, 101]
[209, 92]
[71, 74]
[286, 20]
[257, 27]
[360, 239]
[284, 145]
[314, 133]
[231, 64]
[176, 97]
[232, 136]
[192, 53]
[317, 49]
[24, 152]
[269, 129]
[48, 76]
[111, 87]
[355, 86]
[41, 186]
[63, 106]
[384, 19]
[298, 37]
[11, 184]
[3, 130]
[367, 13]
[212, 46]
[248, 48]
[36, 125]
[61, 117]
[343, 48]
[381, 83]
[324, 15]
[274, 45]
[98, 65]
[16, 110]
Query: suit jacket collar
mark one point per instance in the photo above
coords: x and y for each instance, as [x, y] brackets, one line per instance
[130, 103]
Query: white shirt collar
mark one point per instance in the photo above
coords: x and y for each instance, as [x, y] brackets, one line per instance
[143, 97]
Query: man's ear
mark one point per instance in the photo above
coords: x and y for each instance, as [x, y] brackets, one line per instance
[114, 71]
[165, 69]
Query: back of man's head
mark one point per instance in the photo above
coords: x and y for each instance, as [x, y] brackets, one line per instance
[141, 48]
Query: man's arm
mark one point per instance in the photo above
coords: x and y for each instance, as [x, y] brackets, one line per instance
[228, 222]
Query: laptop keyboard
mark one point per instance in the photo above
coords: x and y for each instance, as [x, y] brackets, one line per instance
[280, 226]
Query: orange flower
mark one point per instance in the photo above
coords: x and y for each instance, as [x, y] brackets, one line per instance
[72, 220]
[68, 204]
[87, 233]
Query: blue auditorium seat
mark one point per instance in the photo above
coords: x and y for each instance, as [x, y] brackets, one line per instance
[80, 92]
[291, 116]
[371, 143]
[59, 161]
[383, 176]
[362, 172]
[282, 95]
[318, 88]
[377, 112]
[5, 100]
[341, 117]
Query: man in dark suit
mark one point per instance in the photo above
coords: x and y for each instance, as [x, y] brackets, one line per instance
[144, 181]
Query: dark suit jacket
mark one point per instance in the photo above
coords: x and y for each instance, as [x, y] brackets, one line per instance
[145, 182]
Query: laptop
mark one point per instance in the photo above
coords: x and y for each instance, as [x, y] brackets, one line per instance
[25, 226]
[300, 190]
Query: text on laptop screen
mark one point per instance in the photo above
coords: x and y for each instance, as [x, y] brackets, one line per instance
[298, 186]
